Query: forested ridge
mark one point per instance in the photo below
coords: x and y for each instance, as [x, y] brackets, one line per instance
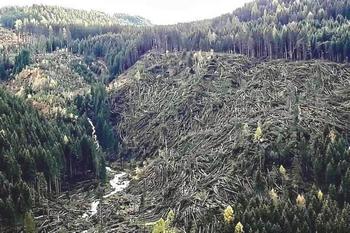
[296, 30]
[30, 16]
[238, 123]
[293, 30]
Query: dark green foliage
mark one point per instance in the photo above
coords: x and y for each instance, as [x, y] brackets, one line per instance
[3, 73]
[295, 30]
[120, 51]
[30, 144]
[5, 67]
[42, 15]
[330, 213]
[261, 215]
[29, 224]
[96, 106]
[102, 172]
[21, 61]
[267, 29]
[84, 72]
[231, 168]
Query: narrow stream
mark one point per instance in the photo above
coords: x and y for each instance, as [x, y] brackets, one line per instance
[116, 182]
[93, 134]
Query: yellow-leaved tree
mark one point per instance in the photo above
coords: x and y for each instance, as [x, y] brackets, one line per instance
[228, 214]
[333, 136]
[258, 133]
[170, 218]
[300, 200]
[273, 196]
[159, 226]
[65, 139]
[162, 226]
[320, 195]
[282, 170]
[239, 228]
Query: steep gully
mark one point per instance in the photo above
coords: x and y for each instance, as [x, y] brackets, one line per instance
[116, 183]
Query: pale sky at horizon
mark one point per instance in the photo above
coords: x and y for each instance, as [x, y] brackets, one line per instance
[158, 11]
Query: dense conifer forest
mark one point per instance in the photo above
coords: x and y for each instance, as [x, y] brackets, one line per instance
[238, 123]
[16, 17]
[294, 30]
[38, 155]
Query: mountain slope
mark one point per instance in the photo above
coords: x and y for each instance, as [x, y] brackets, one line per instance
[286, 11]
[38, 155]
[293, 30]
[274, 29]
[269, 138]
[54, 80]
[224, 129]
[12, 17]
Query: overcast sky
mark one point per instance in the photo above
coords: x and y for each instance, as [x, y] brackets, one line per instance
[158, 11]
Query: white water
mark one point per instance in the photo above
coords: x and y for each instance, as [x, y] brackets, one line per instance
[94, 204]
[109, 169]
[93, 209]
[116, 184]
[94, 136]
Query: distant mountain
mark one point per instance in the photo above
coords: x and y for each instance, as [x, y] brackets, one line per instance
[125, 19]
[54, 15]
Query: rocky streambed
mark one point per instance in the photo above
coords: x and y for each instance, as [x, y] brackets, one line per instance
[117, 183]
[88, 207]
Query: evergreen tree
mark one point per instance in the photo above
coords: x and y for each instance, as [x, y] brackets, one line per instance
[22, 60]
[29, 224]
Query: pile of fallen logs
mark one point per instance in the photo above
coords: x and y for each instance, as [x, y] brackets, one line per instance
[197, 123]
[71, 211]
